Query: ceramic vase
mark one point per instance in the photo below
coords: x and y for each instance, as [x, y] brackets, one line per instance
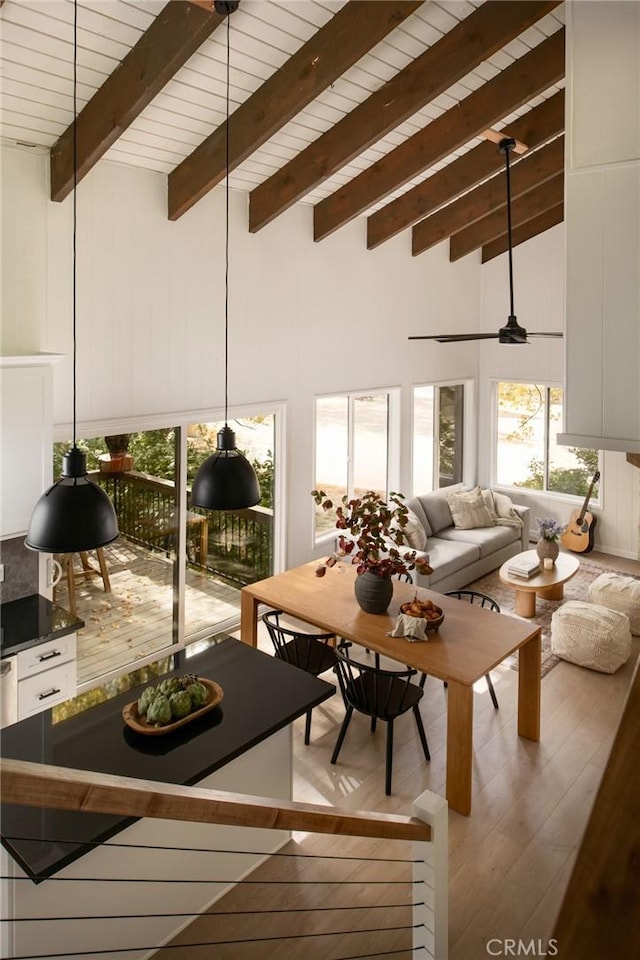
[373, 593]
[547, 549]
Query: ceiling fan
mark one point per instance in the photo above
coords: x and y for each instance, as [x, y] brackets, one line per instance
[512, 332]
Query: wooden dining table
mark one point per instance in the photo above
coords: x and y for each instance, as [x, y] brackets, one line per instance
[470, 642]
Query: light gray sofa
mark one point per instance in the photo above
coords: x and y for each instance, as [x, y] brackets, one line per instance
[460, 556]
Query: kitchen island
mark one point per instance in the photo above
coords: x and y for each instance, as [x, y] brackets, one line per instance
[243, 745]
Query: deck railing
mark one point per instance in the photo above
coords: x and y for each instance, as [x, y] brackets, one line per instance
[234, 545]
[425, 874]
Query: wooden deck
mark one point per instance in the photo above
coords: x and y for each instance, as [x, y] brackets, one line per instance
[135, 620]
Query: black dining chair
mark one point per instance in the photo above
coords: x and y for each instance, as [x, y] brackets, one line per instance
[481, 600]
[313, 652]
[381, 695]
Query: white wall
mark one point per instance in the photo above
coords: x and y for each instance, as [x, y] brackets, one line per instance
[305, 318]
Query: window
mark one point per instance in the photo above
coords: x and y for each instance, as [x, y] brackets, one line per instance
[226, 549]
[353, 443]
[529, 417]
[130, 617]
[438, 436]
[175, 572]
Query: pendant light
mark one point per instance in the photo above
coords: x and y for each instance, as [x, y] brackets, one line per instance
[226, 480]
[74, 514]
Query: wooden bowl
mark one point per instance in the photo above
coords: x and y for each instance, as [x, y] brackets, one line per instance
[133, 719]
[429, 612]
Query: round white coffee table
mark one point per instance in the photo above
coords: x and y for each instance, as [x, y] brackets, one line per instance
[548, 584]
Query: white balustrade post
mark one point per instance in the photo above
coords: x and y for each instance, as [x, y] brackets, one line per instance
[431, 880]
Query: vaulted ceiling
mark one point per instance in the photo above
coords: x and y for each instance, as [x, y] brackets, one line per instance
[387, 109]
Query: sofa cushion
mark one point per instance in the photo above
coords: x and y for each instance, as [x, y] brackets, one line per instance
[414, 531]
[436, 508]
[446, 556]
[486, 539]
[415, 505]
[507, 513]
[469, 510]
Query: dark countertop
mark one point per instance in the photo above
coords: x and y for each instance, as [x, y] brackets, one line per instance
[261, 696]
[32, 620]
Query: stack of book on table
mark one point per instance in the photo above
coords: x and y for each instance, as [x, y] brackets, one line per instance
[524, 567]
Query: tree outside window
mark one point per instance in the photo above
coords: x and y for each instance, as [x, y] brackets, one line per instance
[529, 417]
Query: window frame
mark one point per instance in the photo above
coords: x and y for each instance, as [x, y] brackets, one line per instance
[180, 421]
[392, 478]
[468, 448]
[545, 493]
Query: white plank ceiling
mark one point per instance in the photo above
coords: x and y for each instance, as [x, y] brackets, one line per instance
[36, 78]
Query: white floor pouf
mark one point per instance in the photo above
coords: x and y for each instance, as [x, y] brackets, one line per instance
[618, 592]
[591, 635]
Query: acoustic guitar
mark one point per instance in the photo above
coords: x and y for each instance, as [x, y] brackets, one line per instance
[578, 536]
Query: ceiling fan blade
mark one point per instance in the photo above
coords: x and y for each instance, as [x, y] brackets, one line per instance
[456, 337]
[544, 334]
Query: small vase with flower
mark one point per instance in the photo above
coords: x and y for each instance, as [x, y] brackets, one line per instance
[549, 531]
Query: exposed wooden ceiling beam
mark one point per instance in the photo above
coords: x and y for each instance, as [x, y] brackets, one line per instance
[535, 168]
[497, 136]
[344, 39]
[535, 128]
[460, 50]
[529, 205]
[550, 218]
[531, 74]
[176, 33]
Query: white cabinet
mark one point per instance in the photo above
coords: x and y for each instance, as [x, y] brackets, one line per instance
[46, 675]
[602, 215]
[26, 430]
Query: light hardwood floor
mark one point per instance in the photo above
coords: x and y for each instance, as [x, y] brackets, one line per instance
[509, 861]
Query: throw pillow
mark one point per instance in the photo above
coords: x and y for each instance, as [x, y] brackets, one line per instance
[469, 510]
[414, 532]
[487, 496]
[507, 514]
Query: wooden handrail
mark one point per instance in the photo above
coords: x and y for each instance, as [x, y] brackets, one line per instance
[40, 785]
[599, 913]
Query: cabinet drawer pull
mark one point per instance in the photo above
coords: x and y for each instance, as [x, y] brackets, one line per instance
[50, 693]
[50, 656]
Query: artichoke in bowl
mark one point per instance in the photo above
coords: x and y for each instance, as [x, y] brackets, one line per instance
[180, 703]
[148, 695]
[198, 693]
[159, 711]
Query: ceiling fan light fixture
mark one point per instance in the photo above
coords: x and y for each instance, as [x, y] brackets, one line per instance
[512, 332]
[74, 514]
[226, 480]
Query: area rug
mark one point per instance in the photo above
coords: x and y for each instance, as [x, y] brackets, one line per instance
[575, 589]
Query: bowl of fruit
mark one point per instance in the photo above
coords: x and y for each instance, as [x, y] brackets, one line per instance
[425, 610]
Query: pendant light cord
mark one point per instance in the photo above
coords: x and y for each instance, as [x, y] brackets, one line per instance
[75, 184]
[508, 171]
[226, 249]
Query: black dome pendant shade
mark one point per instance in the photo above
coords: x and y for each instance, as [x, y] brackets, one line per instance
[74, 514]
[226, 480]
